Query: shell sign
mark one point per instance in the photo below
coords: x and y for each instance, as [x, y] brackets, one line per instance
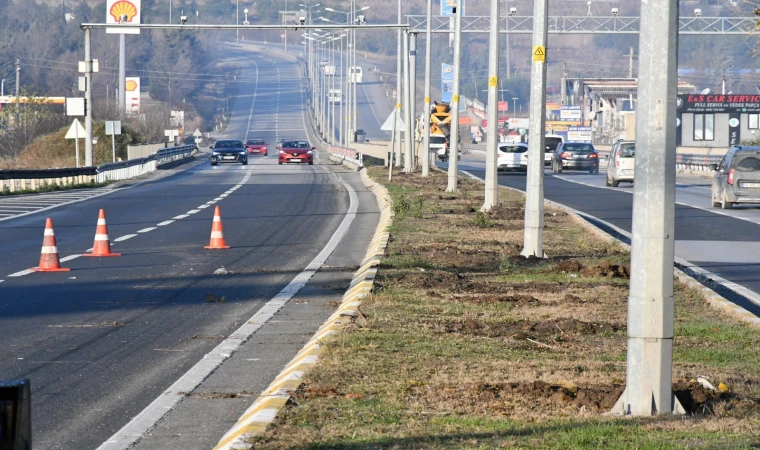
[123, 12]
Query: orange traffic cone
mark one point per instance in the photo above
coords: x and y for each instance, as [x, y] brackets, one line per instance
[49, 261]
[102, 246]
[217, 232]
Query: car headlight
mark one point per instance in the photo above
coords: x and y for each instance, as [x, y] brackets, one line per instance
[309, 152]
[214, 153]
[242, 153]
[282, 152]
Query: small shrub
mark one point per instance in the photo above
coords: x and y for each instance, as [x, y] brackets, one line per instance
[482, 220]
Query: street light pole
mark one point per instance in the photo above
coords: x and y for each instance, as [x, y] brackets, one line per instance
[492, 182]
[454, 135]
[237, 22]
[514, 105]
[408, 134]
[426, 109]
[534, 189]
[397, 150]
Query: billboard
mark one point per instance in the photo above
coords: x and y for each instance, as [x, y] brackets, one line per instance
[502, 106]
[447, 82]
[579, 134]
[123, 12]
[570, 113]
[133, 95]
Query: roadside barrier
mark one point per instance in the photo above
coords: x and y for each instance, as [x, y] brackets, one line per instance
[217, 232]
[346, 154]
[29, 180]
[49, 261]
[102, 246]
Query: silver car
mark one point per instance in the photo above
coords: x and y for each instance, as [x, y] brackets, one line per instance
[737, 177]
[621, 163]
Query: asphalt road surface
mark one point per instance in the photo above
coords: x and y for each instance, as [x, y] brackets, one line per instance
[723, 242]
[102, 342]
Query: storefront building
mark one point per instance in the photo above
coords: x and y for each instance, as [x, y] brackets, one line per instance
[717, 120]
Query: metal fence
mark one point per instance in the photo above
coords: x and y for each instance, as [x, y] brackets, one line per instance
[30, 180]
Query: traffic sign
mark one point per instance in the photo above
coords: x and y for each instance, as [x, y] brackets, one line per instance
[394, 94]
[76, 131]
[539, 53]
[197, 133]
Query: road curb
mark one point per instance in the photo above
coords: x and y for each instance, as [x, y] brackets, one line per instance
[712, 298]
[277, 395]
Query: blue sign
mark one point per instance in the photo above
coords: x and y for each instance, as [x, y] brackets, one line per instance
[447, 7]
[447, 82]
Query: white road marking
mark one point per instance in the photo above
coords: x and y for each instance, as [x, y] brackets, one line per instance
[74, 200]
[145, 230]
[193, 211]
[166, 222]
[165, 402]
[125, 237]
[69, 258]
[21, 274]
[181, 216]
[2, 281]
[203, 206]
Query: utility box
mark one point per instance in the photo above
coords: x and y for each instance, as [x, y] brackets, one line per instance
[15, 415]
[359, 136]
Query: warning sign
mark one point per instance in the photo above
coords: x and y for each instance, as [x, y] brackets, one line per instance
[539, 53]
[493, 81]
[455, 98]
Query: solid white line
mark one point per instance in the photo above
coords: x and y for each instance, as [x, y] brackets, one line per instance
[181, 216]
[145, 230]
[165, 402]
[21, 274]
[166, 222]
[69, 258]
[125, 237]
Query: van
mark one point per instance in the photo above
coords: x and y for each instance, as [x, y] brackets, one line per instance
[551, 142]
[621, 163]
[737, 177]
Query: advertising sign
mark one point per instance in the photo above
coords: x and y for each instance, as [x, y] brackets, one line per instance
[502, 106]
[515, 123]
[447, 82]
[570, 113]
[120, 12]
[717, 103]
[579, 134]
[447, 7]
[133, 95]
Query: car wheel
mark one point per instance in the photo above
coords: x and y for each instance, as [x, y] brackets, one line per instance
[725, 204]
[607, 181]
[279, 162]
[213, 164]
[311, 163]
[245, 163]
[614, 183]
[559, 168]
[715, 204]
[594, 170]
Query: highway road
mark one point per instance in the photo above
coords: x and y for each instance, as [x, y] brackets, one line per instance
[102, 342]
[723, 242]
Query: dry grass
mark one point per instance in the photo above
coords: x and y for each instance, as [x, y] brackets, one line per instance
[464, 344]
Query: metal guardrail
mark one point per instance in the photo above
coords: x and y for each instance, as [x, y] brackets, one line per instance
[23, 180]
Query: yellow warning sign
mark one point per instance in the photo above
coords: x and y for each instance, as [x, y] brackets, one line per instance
[427, 99]
[455, 98]
[398, 105]
[493, 81]
[539, 53]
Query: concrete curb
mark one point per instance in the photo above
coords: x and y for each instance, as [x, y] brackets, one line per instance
[714, 299]
[263, 411]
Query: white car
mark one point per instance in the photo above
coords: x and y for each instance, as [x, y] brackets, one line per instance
[621, 163]
[551, 142]
[512, 157]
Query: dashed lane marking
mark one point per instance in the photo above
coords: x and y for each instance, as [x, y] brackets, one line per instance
[21, 274]
[193, 211]
[181, 216]
[125, 237]
[69, 258]
[145, 230]
[164, 223]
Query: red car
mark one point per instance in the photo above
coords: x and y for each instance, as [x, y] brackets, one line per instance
[257, 146]
[296, 151]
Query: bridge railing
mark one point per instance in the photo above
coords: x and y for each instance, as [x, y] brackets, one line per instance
[31, 180]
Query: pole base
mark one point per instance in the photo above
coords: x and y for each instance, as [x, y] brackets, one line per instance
[526, 253]
[623, 408]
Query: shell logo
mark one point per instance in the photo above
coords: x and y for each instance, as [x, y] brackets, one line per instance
[123, 11]
[448, 70]
[131, 85]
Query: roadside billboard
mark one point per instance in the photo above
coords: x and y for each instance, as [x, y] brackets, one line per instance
[120, 12]
[570, 113]
[132, 88]
[579, 134]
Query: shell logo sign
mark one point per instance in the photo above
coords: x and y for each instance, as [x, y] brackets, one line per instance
[132, 86]
[121, 12]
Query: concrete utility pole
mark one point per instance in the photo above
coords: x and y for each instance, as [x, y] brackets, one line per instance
[408, 134]
[413, 93]
[506, 10]
[534, 189]
[397, 150]
[650, 302]
[88, 97]
[122, 74]
[454, 137]
[426, 108]
[630, 63]
[492, 181]
[18, 91]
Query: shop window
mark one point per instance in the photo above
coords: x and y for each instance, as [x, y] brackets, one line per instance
[754, 121]
[704, 127]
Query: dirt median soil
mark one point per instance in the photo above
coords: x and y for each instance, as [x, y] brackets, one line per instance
[465, 344]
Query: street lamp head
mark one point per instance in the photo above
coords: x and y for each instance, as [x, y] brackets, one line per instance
[245, 11]
[364, 8]
[329, 9]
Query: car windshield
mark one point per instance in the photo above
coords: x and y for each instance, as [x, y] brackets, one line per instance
[627, 151]
[513, 149]
[255, 142]
[551, 143]
[437, 140]
[296, 144]
[748, 163]
[228, 144]
[578, 148]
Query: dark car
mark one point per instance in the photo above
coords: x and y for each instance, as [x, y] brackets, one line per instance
[295, 152]
[257, 146]
[737, 179]
[228, 151]
[575, 156]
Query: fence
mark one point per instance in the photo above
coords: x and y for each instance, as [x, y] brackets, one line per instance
[29, 180]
